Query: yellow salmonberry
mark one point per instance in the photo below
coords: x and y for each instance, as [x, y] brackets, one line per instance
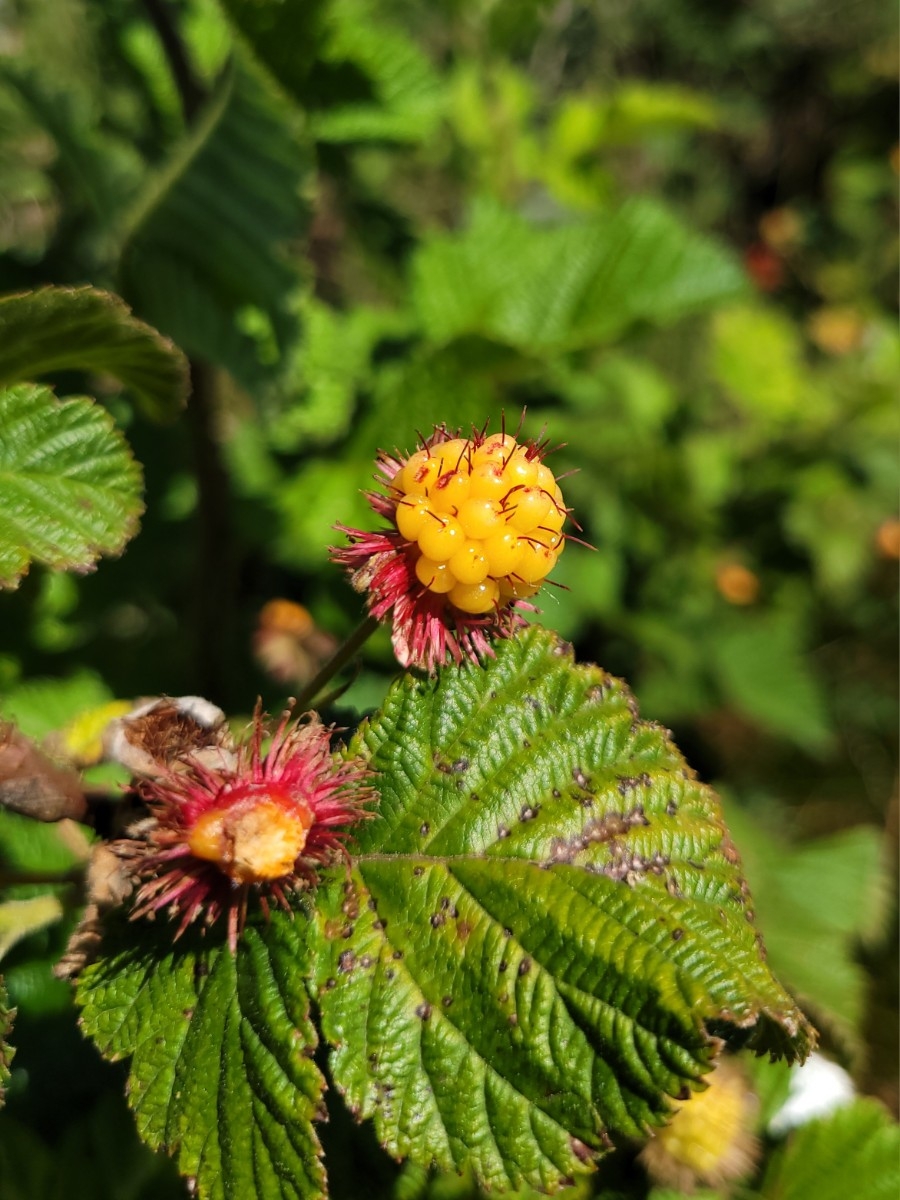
[475, 597]
[470, 564]
[413, 514]
[436, 576]
[484, 516]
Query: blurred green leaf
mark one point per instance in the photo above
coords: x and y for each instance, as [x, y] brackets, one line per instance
[757, 356]
[56, 329]
[41, 706]
[19, 918]
[358, 73]
[69, 488]
[815, 902]
[854, 1152]
[546, 915]
[240, 172]
[579, 284]
[98, 1158]
[760, 664]
[221, 1074]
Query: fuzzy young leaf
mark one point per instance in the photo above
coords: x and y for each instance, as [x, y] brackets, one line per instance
[69, 488]
[57, 329]
[543, 928]
[221, 1044]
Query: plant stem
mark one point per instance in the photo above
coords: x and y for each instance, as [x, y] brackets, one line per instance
[191, 92]
[338, 660]
[215, 579]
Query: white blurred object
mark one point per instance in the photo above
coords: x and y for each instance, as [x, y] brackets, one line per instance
[817, 1088]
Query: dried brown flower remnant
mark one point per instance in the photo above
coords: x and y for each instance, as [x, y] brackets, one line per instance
[32, 784]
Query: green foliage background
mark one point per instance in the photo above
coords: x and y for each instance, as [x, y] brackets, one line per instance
[667, 229]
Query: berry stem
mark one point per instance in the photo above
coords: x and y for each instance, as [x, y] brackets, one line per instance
[338, 660]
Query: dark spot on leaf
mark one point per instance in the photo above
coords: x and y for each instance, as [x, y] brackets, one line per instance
[437, 920]
[390, 974]
[347, 932]
[473, 796]
[580, 1150]
[445, 902]
[371, 905]
[373, 1058]
[461, 764]
[513, 1019]
[447, 1001]
[187, 1013]
[684, 1094]
[579, 776]
[397, 954]
[526, 745]
[729, 851]
[417, 871]
[677, 935]
[330, 983]
[424, 828]
[366, 961]
[502, 965]
[529, 812]
[697, 866]
[379, 925]
[423, 1012]
[524, 966]
[597, 692]
[671, 808]
[507, 933]
[627, 783]
[463, 929]
[502, 831]
[749, 916]
[346, 961]
[556, 793]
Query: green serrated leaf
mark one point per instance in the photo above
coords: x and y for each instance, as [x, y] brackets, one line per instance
[6, 1051]
[361, 77]
[854, 1152]
[240, 172]
[543, 924]
[56, 329]
[69, 488]
[221, 1073]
